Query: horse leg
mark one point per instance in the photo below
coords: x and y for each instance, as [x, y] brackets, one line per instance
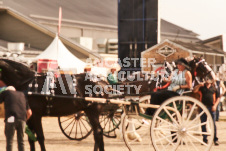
[93, 116]
[40, 134]
[32, 144]
[30, 125]
[36, 124]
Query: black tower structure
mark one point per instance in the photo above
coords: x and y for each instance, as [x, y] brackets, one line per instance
[137, 30]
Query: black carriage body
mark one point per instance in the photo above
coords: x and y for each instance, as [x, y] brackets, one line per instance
[55, 105]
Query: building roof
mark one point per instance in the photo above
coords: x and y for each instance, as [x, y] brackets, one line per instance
[190, 47]
[198, 47]
[212, 39]
[31, 32]
[98, 12]
[167, 27]
[27, 50]
[216, 43]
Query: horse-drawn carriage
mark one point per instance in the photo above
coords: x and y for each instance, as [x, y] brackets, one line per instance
[174, 126]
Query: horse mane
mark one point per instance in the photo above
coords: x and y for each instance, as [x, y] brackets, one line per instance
[16, 74]
[200, 69]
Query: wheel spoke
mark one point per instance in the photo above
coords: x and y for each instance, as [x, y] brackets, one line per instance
[103, 117]
[183, 110]
[160, 129]
[72, 128]
[67, 119]
[76, 130]
[193, 137]
[175, 122]
[177, 113]
[193, 145]
[69, 124]
[165, 121]
[105, 122]
[184, 141]
[115, 121]
[166, 138]
[195, 126]
[80, 128]
[84, 124]
[109, 125]
[158, 136]
[196, 118]
[200, 133]
[191, 111]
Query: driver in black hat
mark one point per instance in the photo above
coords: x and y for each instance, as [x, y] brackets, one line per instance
[181, 78]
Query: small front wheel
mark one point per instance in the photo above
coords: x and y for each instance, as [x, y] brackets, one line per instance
[75, 126]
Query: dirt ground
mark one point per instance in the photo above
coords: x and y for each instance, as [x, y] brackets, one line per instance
[56, 141]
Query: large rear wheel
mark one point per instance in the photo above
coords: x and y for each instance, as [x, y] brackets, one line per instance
[176, 125]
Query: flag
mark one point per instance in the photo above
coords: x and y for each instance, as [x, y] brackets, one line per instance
[60, 18]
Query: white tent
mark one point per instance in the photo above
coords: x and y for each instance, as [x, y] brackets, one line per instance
[66, 60]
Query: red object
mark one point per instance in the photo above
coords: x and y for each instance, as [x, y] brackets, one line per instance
[163, 87]
[46, 64]
[2, 84]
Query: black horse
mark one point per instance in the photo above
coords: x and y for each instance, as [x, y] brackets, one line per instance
[59, 102]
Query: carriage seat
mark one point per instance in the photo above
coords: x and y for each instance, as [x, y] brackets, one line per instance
[186, 92]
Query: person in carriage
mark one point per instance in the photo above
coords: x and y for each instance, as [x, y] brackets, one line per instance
[87, 68]
[112, 77]
[181, 78]
[180, 81]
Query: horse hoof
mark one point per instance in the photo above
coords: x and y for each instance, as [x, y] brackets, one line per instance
[134, 136]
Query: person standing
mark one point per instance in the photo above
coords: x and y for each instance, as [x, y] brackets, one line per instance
[221, 88]
[210, 98]
[17, 112]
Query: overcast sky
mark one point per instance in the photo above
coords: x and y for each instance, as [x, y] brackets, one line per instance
[204, 17]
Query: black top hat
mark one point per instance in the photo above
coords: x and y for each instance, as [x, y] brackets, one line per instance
[183, 62]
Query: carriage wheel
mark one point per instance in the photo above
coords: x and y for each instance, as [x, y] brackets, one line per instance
[76, 126]
[109, 121]
[176, 125]
[136, 132]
